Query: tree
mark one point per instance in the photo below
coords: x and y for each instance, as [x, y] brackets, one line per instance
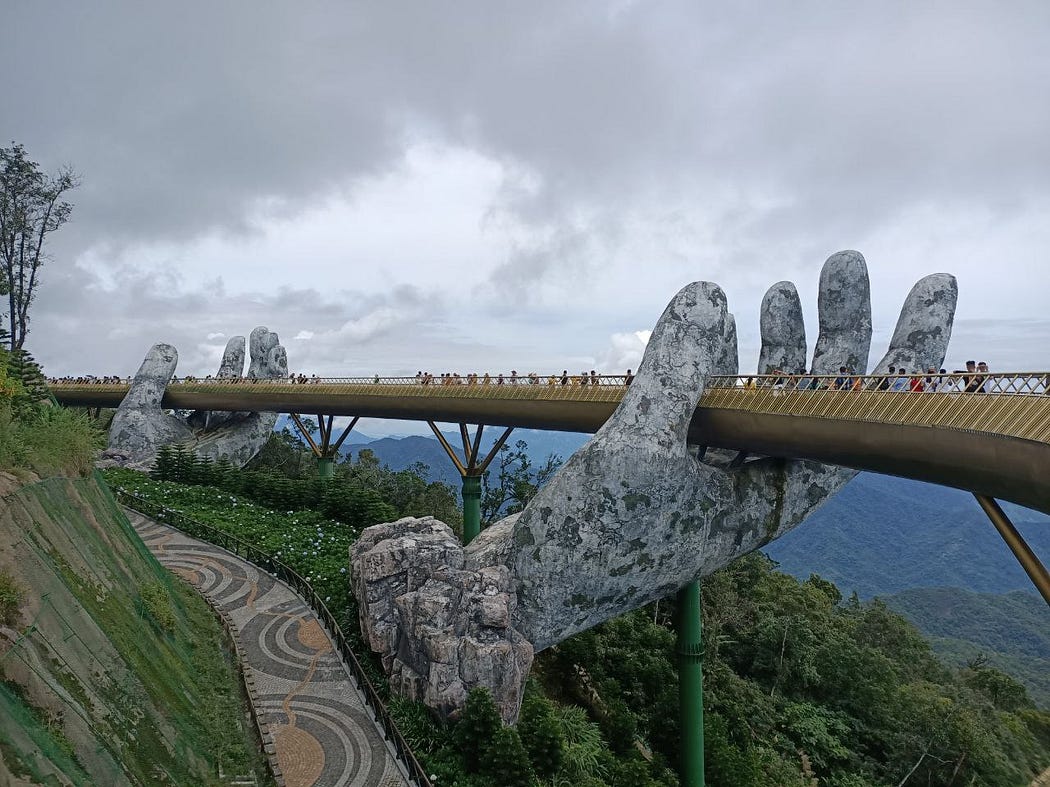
[516, 481]
[31, 208]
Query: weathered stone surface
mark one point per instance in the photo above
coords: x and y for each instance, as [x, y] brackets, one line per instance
[844, 303]
[141, 426]
[632, 516]
[924, 326]
[441, 630]
[783, 330]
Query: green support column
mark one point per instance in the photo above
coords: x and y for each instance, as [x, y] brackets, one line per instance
[325, 467]
[471, 507]
[690, 686]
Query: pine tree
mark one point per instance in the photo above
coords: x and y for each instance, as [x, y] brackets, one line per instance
[540, 734]
[22, 367]
[477, 728]
[203, 470]
[164, 465]
[506, 761]
[183, 464]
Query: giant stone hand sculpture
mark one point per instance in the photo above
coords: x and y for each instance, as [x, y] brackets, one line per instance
[141, 426]
[632, 516]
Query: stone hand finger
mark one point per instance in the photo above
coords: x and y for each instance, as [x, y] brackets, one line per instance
[844, 303]
[687, 345]
[152, 378]
[783, 331]
[268, 358]
[232, 365]
[140, 425]
[924, 328]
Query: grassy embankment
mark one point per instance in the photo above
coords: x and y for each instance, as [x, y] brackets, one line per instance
[113, 671]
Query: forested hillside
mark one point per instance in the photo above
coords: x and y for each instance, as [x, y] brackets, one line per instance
[800, 684]
[881, 535]
[1009, 631]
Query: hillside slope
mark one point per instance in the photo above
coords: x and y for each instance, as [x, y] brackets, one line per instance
[1010, 631]
[114, 672]
[881, 535]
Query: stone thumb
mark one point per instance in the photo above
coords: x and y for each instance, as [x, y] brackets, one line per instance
[152, 378]
[687, 345]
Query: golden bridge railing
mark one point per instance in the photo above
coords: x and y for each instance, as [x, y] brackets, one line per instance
[1016, 404]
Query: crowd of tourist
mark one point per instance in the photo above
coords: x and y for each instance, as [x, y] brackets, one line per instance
[581, 379]
[973, 379]
[90, 379]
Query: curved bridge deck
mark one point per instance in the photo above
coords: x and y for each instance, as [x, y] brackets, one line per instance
[992, 439]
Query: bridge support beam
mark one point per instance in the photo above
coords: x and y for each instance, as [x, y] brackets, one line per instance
[324, 450]
[1025, 556]
[690, 685]
[471, 469]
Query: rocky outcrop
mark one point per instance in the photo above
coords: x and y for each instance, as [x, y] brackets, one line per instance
[632, 516]
[440, 626]
[141, 426]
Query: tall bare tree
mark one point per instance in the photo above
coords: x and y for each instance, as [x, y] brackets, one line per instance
[31, 208]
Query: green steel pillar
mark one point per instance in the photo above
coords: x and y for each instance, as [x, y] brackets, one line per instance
[325, 466]
[690, 686]
[471, 507]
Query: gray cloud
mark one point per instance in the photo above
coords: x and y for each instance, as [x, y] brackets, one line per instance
[609, 154]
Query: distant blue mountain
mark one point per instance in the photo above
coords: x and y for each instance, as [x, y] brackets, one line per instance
[285, 421]
[881, 535]
[400, 452]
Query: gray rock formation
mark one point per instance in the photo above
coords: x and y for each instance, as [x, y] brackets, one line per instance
[141, 426]
[441, 626]
[632, 516]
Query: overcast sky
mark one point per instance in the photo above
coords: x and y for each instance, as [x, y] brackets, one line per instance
[486, 186]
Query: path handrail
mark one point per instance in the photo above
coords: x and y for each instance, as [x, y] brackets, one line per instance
[289, 576]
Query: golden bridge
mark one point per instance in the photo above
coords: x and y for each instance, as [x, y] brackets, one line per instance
[988, 434]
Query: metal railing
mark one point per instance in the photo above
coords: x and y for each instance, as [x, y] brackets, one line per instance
[1014, 404]
[294, 580]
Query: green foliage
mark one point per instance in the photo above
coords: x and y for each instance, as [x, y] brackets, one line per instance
[514, 482]
[799, 685]
[582, 754]
[22, 367]
[1008, 631]
[506, 761]
[540, 733]
[350, 503]
[477, 728]
[31, 208]
[157, 604]
[11, 595]
[47, 440]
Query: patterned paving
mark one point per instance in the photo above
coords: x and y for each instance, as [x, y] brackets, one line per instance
[323, 734]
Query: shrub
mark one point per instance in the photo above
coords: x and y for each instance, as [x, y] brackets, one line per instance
[46, 439]
[477, 728]
[157, 604]
[10, 600]
[506, 761]
[540, 735]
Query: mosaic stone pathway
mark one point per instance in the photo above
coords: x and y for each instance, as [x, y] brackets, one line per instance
[323, 734]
